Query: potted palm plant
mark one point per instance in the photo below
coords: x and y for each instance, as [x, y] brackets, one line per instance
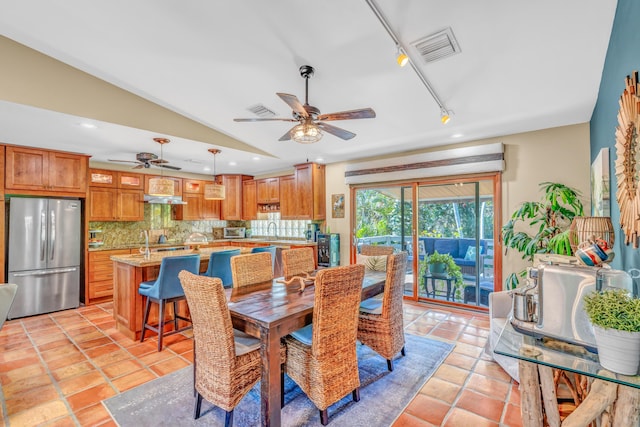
[615, 315]
[542, 227]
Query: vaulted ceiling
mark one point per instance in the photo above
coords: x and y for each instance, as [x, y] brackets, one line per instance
[191, 67]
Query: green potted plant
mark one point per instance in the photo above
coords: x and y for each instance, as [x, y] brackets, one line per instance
[615, 315]
[542, 227]
[444, 266]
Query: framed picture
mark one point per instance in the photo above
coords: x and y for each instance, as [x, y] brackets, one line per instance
[600, 203]
[337, 206]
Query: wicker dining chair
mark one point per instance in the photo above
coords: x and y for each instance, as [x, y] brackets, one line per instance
[321, 357]
[380, 325]
[251, 268]
[297, 261]
[228, 361]
[373, 250]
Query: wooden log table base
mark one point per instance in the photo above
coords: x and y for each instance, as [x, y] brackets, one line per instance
[606, 403]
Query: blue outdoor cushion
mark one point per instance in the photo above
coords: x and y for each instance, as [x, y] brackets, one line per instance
[446, 246]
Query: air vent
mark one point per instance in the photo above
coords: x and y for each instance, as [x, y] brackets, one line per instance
[437, 46]
[261, 111]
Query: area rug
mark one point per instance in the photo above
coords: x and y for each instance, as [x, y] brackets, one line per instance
[169, 401]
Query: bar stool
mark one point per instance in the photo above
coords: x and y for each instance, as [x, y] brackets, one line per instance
[271, 249]
[220, 266]
[167, 289]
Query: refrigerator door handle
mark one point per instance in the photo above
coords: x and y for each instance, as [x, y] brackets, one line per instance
[52, 243]
[43, 235]
[46, 272]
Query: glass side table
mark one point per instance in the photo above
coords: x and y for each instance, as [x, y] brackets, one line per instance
[539, 356]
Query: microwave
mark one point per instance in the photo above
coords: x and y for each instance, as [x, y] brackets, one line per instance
[234, 232]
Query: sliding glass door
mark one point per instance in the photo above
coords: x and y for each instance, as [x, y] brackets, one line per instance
[451, 218]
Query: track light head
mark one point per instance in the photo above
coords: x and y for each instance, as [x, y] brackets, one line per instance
[401, 58]
[445, 115]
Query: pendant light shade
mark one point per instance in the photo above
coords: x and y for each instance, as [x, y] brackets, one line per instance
[214, 191]
[161, 187]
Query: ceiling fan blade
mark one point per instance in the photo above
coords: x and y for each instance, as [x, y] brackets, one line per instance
[294, 103]
[363, 113]
[139, 166]
[157, 161]
[286, 136]
[168, 167]
[340, 133]
[261, 119]
[124, 161]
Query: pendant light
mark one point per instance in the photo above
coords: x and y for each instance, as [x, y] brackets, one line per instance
[161, 187]
[214, 191]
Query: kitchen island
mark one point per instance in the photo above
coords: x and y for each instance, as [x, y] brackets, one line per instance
[130, 270]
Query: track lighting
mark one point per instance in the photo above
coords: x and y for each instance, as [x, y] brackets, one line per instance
[401, 57]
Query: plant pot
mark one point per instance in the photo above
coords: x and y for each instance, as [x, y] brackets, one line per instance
[618, 351]
[438, 269]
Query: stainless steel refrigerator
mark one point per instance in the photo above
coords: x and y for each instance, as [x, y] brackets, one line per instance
[43, 254]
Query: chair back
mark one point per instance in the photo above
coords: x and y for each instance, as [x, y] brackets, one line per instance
[394, 288]
[297, 261]
[250, 269]
[220, 265]
[374, 250]
[212, 327]
[271, 249]
[7, 295]
[335, 312]
[167, 284]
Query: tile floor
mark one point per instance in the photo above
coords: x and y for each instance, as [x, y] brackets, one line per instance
[55, 369]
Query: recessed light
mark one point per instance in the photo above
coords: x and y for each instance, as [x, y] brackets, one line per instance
[206, 169]
[457, 135]
[256, 158]
[88, 125]
[319, 159]
[232, 163]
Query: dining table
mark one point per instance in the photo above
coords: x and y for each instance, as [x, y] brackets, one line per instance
[271, 310]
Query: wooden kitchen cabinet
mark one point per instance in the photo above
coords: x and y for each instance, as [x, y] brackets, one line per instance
[231, 206]
[268, 190]
[249, 201]
[130, 205]
[116, 179]
[288, 197]
[37, 171]
[100, 283]
[310, 191]
[197, 208]
[115, 204]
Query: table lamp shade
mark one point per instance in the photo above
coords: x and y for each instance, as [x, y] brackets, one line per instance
[585, 228]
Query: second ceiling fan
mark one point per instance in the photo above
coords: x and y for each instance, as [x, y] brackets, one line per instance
[311, 122]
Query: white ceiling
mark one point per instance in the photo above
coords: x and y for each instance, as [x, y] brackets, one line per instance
[524, 65]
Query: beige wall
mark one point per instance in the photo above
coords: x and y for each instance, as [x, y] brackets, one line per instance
[557, 154]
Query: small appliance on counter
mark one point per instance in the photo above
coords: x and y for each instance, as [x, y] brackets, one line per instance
[234, 232]
[328, 250]
[551, 303]
[95, 240]
[312, 232]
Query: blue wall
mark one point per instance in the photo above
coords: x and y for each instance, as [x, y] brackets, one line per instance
[623, 57]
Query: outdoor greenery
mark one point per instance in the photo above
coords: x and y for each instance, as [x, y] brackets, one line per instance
[452, 269]
[544, 225]
[613, 309]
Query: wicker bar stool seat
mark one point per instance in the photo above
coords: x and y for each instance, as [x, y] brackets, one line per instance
[380, 325]
[250, 269]
[228, 361]
[297, 262]
[321, 357]
[375, 250]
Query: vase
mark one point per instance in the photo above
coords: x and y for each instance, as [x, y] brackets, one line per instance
[618, 351]
[438, 269]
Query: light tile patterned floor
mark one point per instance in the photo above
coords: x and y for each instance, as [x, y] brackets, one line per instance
[55, 369]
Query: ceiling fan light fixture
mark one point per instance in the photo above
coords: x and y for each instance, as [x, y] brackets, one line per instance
[306, 133]
[401, 58]
[214, 191]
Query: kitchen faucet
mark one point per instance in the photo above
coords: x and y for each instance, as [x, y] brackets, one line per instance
[147, 252]
[275, 229]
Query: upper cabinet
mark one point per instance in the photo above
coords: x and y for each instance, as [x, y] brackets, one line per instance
[268, 190]
[115, 196]
[310, 191]
[231, 206]
[288, 198]
[197, 208]
[249, 202]
[36, 171]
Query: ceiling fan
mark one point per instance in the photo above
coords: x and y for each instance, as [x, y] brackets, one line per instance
[146, 160]
[311, 121]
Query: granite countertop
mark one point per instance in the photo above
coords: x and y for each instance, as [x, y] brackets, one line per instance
[138, 260]
[279, 242]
